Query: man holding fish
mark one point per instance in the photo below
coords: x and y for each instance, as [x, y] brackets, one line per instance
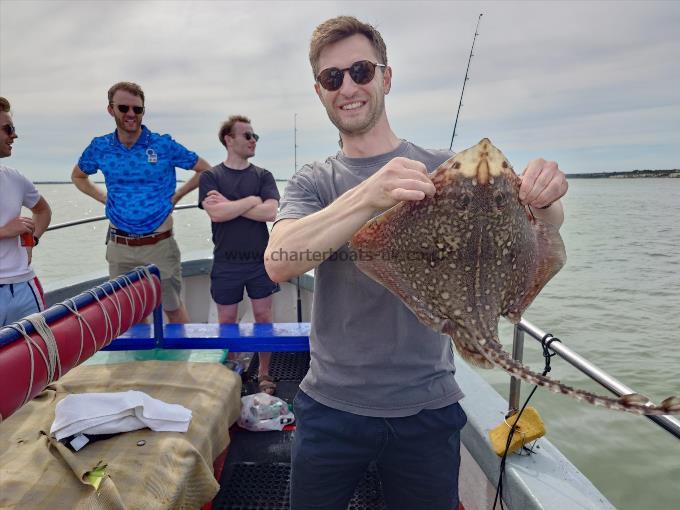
[381, 386]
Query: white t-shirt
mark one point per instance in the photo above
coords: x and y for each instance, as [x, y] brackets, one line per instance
[15, 191]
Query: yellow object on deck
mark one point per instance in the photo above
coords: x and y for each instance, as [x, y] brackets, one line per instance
[529, 428]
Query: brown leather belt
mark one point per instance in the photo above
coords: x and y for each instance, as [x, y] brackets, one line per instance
[139, 240]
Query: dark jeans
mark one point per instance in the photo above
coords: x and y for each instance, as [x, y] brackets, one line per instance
[417, 457]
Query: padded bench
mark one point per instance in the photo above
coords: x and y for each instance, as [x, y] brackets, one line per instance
[242, 337]
[145, 469]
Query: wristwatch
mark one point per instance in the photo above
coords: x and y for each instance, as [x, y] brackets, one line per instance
[36, 240]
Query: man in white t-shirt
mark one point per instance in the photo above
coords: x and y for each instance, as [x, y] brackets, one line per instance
[20, 291]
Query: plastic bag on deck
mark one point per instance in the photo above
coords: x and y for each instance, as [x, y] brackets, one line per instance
[262, 411]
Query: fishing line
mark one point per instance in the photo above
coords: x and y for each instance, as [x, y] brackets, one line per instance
[546, 341]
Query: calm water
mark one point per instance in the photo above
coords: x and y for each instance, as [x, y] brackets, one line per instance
[616, 302]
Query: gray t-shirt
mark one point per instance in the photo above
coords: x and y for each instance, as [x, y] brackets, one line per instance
[369, 353]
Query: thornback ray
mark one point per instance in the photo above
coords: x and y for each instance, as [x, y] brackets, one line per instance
[461, 259]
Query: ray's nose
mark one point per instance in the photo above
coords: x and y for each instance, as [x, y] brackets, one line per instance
[483, 168]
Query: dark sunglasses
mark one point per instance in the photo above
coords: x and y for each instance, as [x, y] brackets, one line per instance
[362, 72]
[251, 136]
[9, 129]
[123, 108]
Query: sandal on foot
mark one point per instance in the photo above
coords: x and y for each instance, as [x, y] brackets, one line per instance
[266, 384]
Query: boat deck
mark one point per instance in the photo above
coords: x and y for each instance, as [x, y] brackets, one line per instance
[256, 473]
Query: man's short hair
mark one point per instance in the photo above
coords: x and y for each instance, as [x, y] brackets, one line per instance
[339, 28]
[4, 105]
[127, 86]
[227, 126]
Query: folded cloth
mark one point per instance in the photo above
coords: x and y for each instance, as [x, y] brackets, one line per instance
[109, 413]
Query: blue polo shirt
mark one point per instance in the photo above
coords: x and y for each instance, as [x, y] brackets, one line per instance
[140, 180]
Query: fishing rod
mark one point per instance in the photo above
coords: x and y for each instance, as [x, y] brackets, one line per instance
[460, 103]
[295, 146]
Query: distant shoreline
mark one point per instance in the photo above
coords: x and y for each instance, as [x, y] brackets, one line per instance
[634, 174]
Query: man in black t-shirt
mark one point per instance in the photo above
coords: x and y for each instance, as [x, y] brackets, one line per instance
[240, 198]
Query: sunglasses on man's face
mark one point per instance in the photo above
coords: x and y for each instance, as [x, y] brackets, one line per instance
[251, 136]
[124, 108]
[362, 72]
[9, 129]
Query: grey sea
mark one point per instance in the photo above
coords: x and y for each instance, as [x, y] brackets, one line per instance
[616, 302]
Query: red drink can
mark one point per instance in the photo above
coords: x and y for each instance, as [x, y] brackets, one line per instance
[27, 239]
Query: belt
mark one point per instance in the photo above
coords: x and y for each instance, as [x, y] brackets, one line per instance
[139, 240]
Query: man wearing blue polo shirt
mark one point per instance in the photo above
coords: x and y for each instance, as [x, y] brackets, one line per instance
[139, 172]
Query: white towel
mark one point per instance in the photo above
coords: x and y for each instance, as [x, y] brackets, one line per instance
[108, 413]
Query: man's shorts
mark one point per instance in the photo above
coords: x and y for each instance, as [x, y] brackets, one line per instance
[227, 281]
[17, 300]
[165, 254]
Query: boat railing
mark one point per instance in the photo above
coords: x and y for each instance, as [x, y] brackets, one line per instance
[102, 218]
[595, 373]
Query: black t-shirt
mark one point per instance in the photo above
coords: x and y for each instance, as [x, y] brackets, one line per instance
[240, 240]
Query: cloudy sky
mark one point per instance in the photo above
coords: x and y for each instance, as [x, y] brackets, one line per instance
[593, 85]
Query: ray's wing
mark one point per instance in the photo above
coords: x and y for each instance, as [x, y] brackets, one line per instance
[388, 264]
[547, 257]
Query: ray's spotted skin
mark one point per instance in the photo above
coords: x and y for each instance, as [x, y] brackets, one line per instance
[470, 254]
